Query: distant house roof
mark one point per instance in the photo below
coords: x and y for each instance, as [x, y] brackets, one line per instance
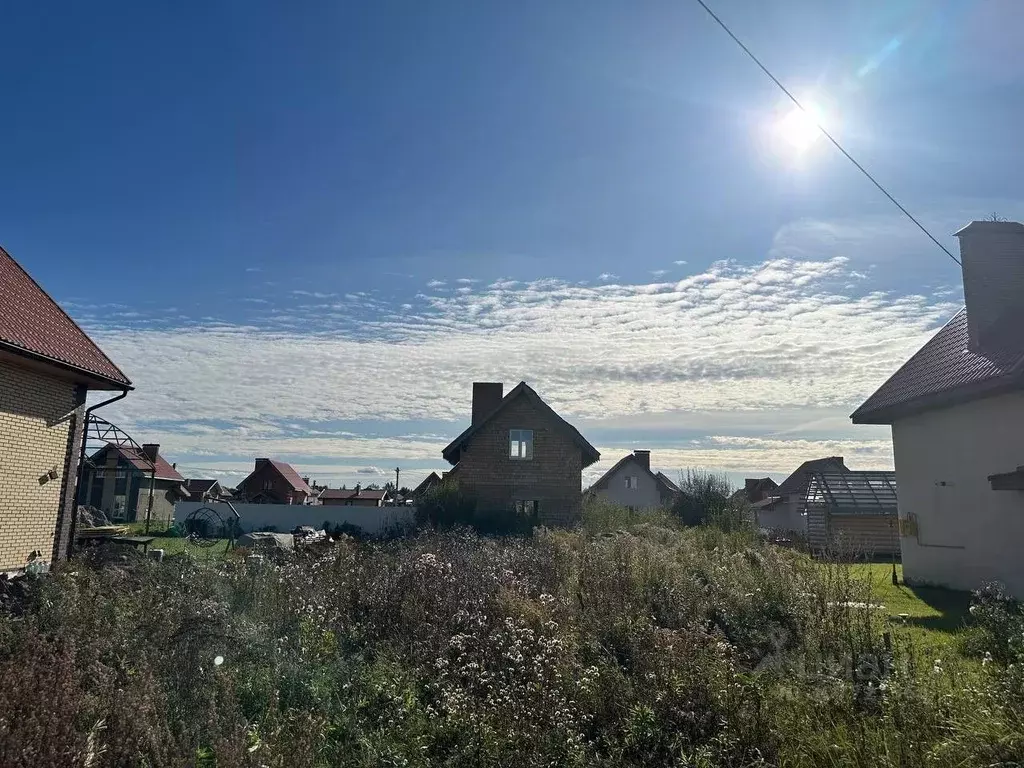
[32, 324]
[200, 486]
[352, 493]
[428, 482]
[291, 476]
[665, 485]
[797, 482]
[668, 483]
[946, 371]
[853, 493]
[756, 489]
[453, 450]
[141, 462]
[287, 473]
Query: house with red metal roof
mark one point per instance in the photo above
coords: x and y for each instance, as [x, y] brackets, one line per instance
[274, 482]
[47, 367]
[129, 486]
[956, 409]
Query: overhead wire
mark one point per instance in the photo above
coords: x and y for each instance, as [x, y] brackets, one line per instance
[824, 132]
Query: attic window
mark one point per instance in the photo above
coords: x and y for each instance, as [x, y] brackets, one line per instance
[632, 482]
[520, 443]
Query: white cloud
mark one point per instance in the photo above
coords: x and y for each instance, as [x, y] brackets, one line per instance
[731, 350]
[604, 277]
[253, 269]
[680, 263]
[436, 283]
[659, 272]
[466, 281]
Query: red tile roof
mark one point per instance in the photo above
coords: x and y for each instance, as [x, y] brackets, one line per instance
[289, 474]
[945, 370]
[33, 322]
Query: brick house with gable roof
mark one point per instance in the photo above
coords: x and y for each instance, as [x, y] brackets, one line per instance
[519, 454]
[275, 482]
[47, 366]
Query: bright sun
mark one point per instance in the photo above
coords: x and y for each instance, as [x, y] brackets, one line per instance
[798, 129]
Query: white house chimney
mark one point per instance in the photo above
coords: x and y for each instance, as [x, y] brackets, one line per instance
[992, 255]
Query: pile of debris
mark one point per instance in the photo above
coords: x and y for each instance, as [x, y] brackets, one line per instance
[93, 522]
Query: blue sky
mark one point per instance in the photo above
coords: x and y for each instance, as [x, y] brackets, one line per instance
[303, 230]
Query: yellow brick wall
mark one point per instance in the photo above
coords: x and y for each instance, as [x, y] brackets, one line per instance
[36, 414]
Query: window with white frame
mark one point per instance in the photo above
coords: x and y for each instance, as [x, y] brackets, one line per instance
[520, 443]
[632, 482]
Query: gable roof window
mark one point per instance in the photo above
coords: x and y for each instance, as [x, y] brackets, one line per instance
[520, 443]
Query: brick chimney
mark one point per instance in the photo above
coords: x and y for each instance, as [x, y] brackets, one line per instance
[261, 462]
[992, 254]
[486, 398]
[151, 450]
[643, 458]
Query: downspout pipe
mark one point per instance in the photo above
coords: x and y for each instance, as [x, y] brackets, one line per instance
[81, 464]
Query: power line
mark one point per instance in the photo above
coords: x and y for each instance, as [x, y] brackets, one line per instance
[828, 135]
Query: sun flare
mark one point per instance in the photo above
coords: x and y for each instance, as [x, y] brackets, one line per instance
[798, 129]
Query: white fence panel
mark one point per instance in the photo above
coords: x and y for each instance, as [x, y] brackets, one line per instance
[284, 517]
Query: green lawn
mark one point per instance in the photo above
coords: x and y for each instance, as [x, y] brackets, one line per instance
[934, 615]
[176, 546]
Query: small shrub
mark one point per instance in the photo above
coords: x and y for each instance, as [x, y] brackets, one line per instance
[603, 516]
[445, 505]
[705, 499]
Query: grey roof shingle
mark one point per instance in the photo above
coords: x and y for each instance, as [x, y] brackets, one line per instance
[942, 370]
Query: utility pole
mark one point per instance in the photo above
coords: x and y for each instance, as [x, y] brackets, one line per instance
[397, 470]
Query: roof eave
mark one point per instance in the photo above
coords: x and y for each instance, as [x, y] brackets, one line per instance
[944, 399]
[91, 379]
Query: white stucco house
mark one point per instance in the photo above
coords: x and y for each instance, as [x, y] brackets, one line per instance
[783, 510]
[957, 414]
[631, 483]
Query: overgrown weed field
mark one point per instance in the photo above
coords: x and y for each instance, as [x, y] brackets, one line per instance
[643, 646]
